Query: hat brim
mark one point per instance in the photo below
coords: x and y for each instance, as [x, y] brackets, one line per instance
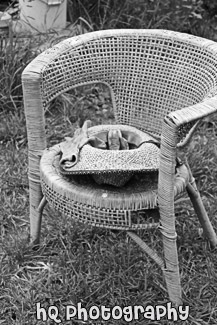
[93, 160]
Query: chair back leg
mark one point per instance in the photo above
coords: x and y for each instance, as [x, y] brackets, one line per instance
[199, 209]
[201, 213]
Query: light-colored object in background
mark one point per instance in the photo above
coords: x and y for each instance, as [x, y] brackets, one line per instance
[161, 82]
[6, 35]
[41, 16]
[5, 19]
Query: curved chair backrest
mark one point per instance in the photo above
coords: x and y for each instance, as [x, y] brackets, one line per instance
[150, 72]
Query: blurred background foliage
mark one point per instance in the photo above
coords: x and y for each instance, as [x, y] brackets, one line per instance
[198, 17]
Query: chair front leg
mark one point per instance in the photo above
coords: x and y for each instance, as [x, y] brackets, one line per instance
[171, 270]
[166, 181]
[37, 204]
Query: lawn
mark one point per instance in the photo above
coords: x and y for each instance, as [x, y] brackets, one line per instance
[76, 263]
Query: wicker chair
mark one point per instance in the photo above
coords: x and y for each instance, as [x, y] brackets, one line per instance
[161, 82]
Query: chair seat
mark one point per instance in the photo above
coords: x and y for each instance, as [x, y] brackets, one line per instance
[102, 205]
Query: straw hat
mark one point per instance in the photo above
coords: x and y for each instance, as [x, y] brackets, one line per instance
[103, 164]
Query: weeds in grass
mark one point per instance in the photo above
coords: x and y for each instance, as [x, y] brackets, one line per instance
[13, 59]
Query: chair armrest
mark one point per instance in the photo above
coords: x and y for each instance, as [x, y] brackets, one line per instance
[194, 112]
[172, 122]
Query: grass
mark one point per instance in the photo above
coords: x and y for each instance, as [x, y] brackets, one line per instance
[75, 263]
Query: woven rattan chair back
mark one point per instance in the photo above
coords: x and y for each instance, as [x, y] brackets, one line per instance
[148, 73]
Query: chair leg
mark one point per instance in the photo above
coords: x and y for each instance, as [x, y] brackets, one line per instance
[146, 249]
[171, 270]
[169, 236]
[37, 204]
[200, 211]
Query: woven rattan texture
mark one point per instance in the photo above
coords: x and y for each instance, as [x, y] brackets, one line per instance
[149, 76]
[98, 217]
